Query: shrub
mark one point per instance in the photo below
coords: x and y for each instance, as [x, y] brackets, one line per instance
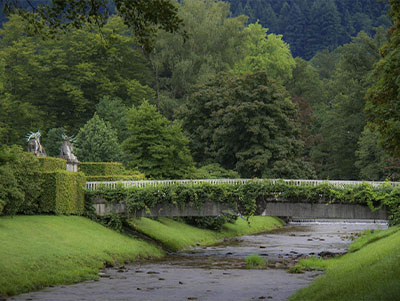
[102, 168]
[135, 177]
[255, 261]
[62, 193]
[19, 181]
[52, 164]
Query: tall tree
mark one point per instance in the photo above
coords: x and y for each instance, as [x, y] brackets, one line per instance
[97, 141]
[265, 52]
[65, 79]
[155, 146]
[213, 45]
[246, 123]
[383, 98]
[142, 16]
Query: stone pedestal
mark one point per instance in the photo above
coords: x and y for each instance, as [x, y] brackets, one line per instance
[72, 166]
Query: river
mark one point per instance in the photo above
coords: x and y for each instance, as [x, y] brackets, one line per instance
[218, 272]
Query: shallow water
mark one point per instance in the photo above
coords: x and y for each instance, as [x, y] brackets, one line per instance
[218, 272]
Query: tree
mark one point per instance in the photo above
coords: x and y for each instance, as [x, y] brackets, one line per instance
[53, 141]
[97, 141]
[113, 110]
[155, 146]
[342, 120]
[142, 16]
[383, 98]
[372, 161]
[265, 52]
[66, 78]
[246, 123]
[213, 45]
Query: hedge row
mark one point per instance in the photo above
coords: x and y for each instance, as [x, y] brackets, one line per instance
[62, 193]
[244, 197]
[52, 164]
[133, 177]
[102, 168]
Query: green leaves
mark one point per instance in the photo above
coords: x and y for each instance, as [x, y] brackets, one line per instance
[155, 146]
[246, 123]
[97, 141]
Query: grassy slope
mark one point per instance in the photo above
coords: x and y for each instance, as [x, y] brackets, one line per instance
[371, 273]
[37, 251]
[177, 235]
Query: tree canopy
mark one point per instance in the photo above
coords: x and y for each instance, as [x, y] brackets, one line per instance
[142, 16]
[247, 123]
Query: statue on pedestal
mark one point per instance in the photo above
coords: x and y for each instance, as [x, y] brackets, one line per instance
[34, 145]
[66, 153]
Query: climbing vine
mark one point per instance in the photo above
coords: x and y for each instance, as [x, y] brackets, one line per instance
[243, 197]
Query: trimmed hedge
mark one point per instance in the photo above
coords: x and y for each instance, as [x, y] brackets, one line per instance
[52, 164]
[62, 193]
[133, 177]
[101, 168]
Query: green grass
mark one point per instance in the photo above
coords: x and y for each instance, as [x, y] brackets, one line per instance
[178, 235]
[255, 261]
[38, 251]
[371, 273]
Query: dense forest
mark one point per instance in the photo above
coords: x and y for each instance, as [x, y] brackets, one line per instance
[313, 25]
[296, 94]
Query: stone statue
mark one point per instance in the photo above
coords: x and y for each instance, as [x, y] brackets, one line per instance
[34, 145]
[67, 149]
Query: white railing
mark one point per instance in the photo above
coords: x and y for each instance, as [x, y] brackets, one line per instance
[114, 184]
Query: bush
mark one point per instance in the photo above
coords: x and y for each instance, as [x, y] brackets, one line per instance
[52, 164]
[134, 177]
[19, 181]
[214, 171]
[62, 193]
[102, 168]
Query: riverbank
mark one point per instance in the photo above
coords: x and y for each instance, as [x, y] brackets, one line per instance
[175, 235]
[370, 272]
[40, 251]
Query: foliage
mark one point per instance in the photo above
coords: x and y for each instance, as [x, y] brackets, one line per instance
[97, 141]
[41, 251]
[114, 111]
[17, 118]
[52, 164]
[310, 26]
[102, 168]
[210, 222]
[246, 123]
[254, 261]
[62, 80]
[382, 99]
[130, 176]
[142, 16]
[213, 45]
[213, 171]
[341, 120]
[265, 52]
[243, 198]
[19, 183]
[155, 146]
[53, 141]
[372, 159]
[62, 193]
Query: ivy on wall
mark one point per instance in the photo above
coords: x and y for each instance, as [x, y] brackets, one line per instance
[244, 197]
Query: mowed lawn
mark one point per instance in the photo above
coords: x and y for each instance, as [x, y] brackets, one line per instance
[371, 272]
[38, 251]
[177, 235]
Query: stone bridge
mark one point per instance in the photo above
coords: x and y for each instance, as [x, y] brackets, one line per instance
[271, 207]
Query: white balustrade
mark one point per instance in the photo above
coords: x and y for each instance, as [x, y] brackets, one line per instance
[115, 184]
